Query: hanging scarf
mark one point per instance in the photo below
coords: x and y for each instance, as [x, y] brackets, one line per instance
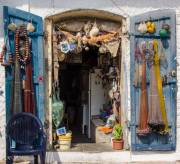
[143, 128]
[165, 129]
[16, 87]
[25, 60]
[137, 68]
[29, 99]
[154, 116]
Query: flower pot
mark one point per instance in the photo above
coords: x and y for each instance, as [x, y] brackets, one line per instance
[118, 144]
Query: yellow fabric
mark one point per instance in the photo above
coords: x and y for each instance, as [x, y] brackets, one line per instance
[159, 86]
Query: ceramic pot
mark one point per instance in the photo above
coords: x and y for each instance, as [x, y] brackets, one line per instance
[118, 144]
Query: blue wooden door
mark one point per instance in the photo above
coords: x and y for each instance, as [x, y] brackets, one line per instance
[155, 141]
[21, 17]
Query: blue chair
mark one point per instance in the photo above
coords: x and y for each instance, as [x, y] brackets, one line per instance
[25, 136]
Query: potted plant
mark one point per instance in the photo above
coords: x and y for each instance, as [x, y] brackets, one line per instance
[117, 140]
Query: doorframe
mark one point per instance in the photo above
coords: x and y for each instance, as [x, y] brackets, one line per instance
[48, 26]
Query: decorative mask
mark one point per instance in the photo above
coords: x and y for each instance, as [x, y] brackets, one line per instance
[151, 27]
[142, 28]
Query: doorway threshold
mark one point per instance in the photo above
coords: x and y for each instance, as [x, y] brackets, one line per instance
[90, 148]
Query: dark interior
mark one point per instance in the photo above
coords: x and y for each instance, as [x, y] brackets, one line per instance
[74, 85]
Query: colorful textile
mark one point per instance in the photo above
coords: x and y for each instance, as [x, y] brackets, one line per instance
[159, 88]
[143, 128]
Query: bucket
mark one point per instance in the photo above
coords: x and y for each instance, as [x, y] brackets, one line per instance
[64, 142]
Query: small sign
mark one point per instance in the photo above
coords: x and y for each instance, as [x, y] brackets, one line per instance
[61, 131]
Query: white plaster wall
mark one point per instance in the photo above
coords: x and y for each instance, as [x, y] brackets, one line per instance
[123, 7]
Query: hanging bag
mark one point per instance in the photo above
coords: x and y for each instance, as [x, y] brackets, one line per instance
[57, 107]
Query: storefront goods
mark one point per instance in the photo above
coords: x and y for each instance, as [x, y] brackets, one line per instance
[138, 67]
[57, 107]
[30, 27]
[142, 28]
[94, 31]
[143, 128]
[12, 26]
[165, 129]
[16, 87]
[165, 30]
[25, 61]
[154, 116]
[151, 27]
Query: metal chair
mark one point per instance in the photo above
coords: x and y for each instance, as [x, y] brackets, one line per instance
[25, 136]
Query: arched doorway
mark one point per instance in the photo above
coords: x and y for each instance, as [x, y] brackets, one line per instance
[115, 22]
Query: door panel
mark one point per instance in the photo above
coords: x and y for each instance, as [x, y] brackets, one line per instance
[155, 141]
[21, 17]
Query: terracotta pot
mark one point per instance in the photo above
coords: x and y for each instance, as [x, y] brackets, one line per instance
[118, 144]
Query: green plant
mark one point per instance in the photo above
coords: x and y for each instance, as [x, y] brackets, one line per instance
[117, 132]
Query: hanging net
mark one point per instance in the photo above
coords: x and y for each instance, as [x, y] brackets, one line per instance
[143, 128]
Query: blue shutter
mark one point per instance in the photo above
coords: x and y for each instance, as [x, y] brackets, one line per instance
[155, 141]
[20, 17]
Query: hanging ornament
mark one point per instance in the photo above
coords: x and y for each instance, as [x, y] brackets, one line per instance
[23, 58]
[64, 47]
[142, 28]
[151, 27]
[87, 27]
[165, 30]
[61, 56]
[84, 40]
[163, 33]
[87, 48]
[94, 31]
[12, 26]
[3, 60]
[30, 27]
[173, 73]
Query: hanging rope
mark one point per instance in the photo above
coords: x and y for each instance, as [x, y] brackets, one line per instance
[143, 128]
[165, 129]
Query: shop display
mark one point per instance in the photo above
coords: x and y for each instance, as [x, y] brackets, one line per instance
[98, 46]
[142, 28]
[22, 89]
[143, 128]
[164, 129]
[165, 30]
[151, 62]
[30, 27]
[154, 117]
[151, 27]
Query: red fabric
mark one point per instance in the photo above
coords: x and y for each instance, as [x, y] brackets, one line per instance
[29, 101]
[143, 128]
